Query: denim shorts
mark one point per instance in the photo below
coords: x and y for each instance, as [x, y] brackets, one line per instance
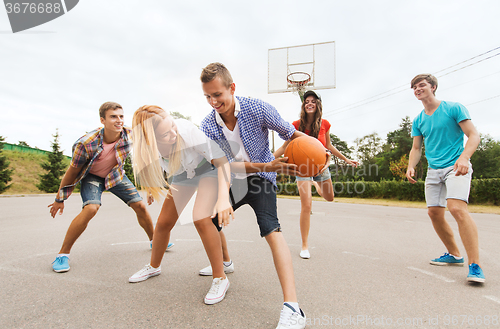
[260, 194]
[318, 178]
[92, 186]
[442, 184]
[205, 170]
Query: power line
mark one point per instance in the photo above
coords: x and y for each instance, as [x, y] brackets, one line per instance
[483, 100]
[469, 81]
[489, 51]
[461, 68]
[460, 84]
[379, 97]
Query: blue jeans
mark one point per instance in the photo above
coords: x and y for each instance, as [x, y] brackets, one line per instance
[92, 186]
[260, 194]
[319, 178]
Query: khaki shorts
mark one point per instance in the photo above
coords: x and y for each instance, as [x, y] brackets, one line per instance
[442, 184]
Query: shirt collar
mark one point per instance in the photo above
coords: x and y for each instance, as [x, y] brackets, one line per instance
[237, 110]
[100, 137]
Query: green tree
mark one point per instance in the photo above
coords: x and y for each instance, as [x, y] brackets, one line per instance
[398, 168]
[23, 143]
[341, 145]
[367, 149]
[5, 172]
[50, 181]
[485, 161]
[343, 148]
[129, 171]
[398, 144]
[178, 115]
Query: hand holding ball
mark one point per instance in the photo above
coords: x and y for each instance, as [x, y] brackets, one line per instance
[308, 154]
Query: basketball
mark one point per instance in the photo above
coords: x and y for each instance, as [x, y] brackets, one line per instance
[308, 154]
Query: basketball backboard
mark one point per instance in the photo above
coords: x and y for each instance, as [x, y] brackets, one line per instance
[316, 60]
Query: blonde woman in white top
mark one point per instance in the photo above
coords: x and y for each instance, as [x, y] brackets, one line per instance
[179, 148]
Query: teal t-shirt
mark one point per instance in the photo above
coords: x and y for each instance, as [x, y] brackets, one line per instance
[443, 137]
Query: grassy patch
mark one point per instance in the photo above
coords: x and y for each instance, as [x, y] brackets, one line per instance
[26, 171]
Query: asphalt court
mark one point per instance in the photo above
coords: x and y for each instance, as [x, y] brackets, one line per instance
[369, 267]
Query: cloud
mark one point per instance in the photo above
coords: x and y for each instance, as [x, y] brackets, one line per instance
[152, 52]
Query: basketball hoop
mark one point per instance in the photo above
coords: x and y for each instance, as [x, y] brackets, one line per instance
[298, 81]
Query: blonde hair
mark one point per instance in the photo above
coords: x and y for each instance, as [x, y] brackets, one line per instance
[148, 172]
[316, 124]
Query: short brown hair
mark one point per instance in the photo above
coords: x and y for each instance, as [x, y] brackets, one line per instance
[108, 106]
[214, 70]
[432, 80]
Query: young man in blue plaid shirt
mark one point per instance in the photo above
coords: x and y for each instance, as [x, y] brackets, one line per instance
[97, 164]
[241, 128]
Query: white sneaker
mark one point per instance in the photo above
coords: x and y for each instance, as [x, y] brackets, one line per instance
[217, 291]
[144, 274]
[291, 319]
[207, 271]
[305, 254]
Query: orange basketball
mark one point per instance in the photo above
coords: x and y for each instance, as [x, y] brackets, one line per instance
[308, 153]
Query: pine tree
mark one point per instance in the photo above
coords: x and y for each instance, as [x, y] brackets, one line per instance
[5, 172]
[127, 167]
[50, 181]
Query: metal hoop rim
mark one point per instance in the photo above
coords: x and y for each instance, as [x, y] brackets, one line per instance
[298, 83]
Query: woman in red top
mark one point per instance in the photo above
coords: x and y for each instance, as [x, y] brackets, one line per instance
[313, 125]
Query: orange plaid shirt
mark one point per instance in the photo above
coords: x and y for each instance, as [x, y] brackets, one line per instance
[86, 150]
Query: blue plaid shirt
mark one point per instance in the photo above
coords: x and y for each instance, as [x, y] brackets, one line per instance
[255, 118]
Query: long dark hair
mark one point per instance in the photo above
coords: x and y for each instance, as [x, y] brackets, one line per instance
[316, 124]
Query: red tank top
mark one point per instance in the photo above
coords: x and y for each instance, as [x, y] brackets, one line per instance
[325, 127]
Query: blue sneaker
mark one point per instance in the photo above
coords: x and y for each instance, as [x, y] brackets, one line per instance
[475, 274]
[61, 264]
[447, 259]
[169, 246]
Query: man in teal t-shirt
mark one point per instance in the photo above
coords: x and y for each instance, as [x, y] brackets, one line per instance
[442, 126]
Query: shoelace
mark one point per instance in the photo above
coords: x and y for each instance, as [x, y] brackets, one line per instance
[214, 289]
[445, 255]
[474, 269]
[286, 315]
[146, 268]
[59, 260]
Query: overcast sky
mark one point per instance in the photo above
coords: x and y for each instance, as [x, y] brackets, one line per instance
[151, 52]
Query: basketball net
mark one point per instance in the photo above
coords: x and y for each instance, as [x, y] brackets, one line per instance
[298, 81]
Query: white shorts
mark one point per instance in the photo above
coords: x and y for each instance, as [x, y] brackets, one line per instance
[442, 184]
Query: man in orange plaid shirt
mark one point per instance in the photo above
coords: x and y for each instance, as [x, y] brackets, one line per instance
[97, 164]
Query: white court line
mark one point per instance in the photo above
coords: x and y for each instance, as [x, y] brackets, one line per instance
[53, 275]
[493, 298]
[120, 243]
[297, 213]
[359, 255]
[437, 276]
[7, 263]
[200, 240]
[298, 245]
